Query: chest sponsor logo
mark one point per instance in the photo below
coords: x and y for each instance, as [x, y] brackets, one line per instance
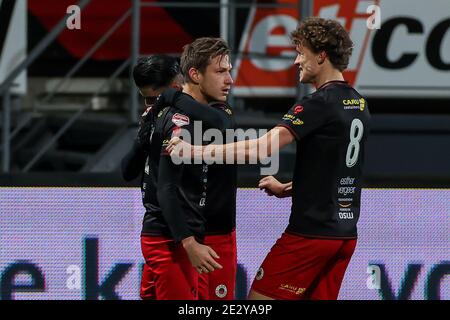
[354, 104]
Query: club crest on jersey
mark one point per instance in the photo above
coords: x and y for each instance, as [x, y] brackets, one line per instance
[180, 120]
[260, 274]
[221, 291]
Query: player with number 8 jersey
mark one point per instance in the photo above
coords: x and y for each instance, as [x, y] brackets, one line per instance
[330, 126]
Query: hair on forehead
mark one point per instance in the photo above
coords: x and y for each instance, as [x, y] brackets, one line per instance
[201, 52]
[327, 35]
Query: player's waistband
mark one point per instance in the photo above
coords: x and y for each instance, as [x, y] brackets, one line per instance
[221, 232]
[326, 237]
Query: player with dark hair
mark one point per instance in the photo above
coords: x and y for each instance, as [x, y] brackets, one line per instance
[173, 243]
[152, 75]
[206, 67]
[330, 127]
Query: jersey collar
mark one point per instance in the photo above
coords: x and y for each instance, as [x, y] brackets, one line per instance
[328, 83]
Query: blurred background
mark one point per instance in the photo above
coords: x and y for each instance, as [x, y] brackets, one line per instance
[70, 111]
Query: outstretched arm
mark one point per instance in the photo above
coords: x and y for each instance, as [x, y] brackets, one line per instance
[260, 148]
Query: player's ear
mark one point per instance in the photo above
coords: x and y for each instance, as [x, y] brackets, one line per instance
[176, 85]
[194, 74]
[321, 57]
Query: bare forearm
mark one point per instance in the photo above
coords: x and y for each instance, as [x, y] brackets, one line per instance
[241, 150]
[257, 149]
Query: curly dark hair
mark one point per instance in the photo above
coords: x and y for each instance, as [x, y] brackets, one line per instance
[199, 53]
[327, 35]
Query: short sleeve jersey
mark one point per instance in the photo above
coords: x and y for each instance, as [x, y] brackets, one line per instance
[331, 127]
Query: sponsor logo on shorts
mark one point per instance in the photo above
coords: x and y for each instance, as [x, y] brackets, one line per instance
[291, 288]
[260, 274]
[180, 120]
[221, 291]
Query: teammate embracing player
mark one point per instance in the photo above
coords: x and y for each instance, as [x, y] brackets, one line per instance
[189, 242]
[330, 127]
[172, 231]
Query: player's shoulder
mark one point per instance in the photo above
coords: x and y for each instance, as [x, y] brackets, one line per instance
[311, 101]
[170, 117]
[223, 106]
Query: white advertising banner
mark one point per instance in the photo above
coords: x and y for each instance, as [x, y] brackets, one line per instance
[83, 243]
[401, 48]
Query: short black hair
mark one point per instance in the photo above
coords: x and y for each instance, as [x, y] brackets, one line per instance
[155, 71]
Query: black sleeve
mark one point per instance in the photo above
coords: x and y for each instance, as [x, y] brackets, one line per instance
[305, 116]
[211, 117]
[169, 180]
[133, 162]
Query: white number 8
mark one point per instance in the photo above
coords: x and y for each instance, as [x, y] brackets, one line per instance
[353, 146]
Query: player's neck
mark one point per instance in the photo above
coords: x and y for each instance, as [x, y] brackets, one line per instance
[194, 91]
[327, 75]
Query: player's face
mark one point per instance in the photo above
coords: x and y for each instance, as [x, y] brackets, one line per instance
[150, 95]
[307, 63]
[215, 82]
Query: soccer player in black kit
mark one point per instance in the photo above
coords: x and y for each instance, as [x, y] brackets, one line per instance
[153, 75]
[330, 127]
[206, 66]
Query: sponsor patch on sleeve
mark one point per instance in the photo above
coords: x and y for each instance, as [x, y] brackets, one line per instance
[180, 120]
